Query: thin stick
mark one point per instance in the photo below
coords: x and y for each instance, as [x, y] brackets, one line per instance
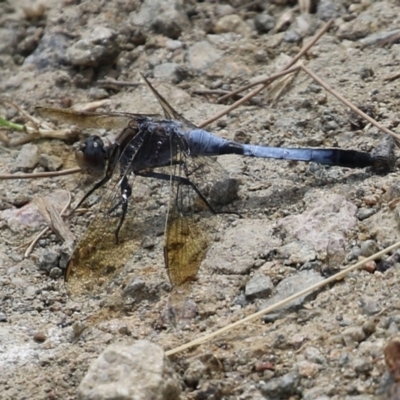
[247, 97]
[44, 231]
[348, 104]
[106, 82]
[285, 68]
[48, 174]
[274, 307]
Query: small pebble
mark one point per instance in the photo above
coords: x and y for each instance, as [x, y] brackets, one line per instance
[39, 337]
[55, 273]
[362, 364]
[308, 369]
[364, 213]
[195, 371]
[314, 355]
[370, 267]
[370, 200]
[368, 248]
[353, 335]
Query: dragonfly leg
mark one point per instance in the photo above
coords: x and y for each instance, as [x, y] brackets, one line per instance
[182, 180]
[113, 159]
[126, 192]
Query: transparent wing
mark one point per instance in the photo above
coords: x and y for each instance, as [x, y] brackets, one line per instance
[98, 258]
[200, 188]
[87, 119]
[169, 111]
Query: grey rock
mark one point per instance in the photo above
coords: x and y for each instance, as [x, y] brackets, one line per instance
[354, 253]
[364, 213]
[353, 335]
[99, 46]
[291, 285]
[313, 354]
[231, 23]
[51, 51]
[49, 259]
[136, 289]
[363, 25]
[3, 317]
[292, 36]
[170, 71]
[136, 372]
[264, 22]
[375, 38]
[313, 394]
[28, 157]
[202, 55]
[259, 286]
[173, 44]
[297, 252]
[281, 387]
[369, 247]
[98, 93]
[392, 329]
[344, 359]
[50, 163]
[166, 17]
[328, 9]
[362, 364]
[233, 255]
[55, 273]
[325, 221]
[369, 305]
[195, 371]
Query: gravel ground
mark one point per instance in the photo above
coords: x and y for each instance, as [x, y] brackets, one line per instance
[300, 222]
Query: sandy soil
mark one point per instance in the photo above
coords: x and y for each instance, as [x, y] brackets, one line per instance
[299, 221]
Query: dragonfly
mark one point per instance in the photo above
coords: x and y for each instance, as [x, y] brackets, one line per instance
[168, 148]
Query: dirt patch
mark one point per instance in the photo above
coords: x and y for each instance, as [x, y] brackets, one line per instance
[330, 346]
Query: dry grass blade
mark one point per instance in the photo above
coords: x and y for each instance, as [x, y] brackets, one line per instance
[348, 103]
[45, 230]
[340, 275]
[280, 86]
[392, 77]
[34, 129]
[287, 69]
[48, 174]
[54, 220]
[92, 106]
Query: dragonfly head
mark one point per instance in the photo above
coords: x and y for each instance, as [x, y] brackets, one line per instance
[92, 156]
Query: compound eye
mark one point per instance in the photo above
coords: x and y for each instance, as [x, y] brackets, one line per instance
[91, 156]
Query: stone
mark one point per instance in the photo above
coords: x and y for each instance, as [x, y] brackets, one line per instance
[97, 47]
[353, 335]
[202, 55]
[51, 51]
[28, 157]
[169, 71]
[329, 9]
[364, 213]
[194, 372]
[291, 285]
[166, 17]
[259, 286]
[314, 355]
[130, 372]
[368, 247]
[264, 22]
[281, 387]
[50, 163]
[49, 259]
[231, 23]
[308, 369]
